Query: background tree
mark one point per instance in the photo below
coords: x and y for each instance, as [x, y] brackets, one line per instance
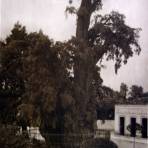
[136, 91]
[123, 90]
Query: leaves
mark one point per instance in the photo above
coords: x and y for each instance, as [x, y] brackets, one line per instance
[117, 40]
[71, 10]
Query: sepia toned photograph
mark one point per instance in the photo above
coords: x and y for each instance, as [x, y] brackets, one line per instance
[73, 74]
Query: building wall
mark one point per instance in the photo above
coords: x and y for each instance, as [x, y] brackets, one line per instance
[128, 112]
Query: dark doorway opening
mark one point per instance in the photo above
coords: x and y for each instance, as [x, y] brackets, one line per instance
[133, 127]
[122, 121]
[144, 127]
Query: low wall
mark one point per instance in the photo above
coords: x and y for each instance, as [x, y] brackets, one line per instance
[105, 125]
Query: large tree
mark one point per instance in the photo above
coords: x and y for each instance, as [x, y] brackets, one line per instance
[108, 36]
[61, 80]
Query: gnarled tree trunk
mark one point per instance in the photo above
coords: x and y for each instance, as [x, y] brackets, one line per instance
[83, 65]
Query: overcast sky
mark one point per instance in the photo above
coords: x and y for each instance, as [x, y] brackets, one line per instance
[49, 16]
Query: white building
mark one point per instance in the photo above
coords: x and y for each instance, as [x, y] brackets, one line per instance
[131, 126]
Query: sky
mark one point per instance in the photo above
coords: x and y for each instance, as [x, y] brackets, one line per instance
[49, 16]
